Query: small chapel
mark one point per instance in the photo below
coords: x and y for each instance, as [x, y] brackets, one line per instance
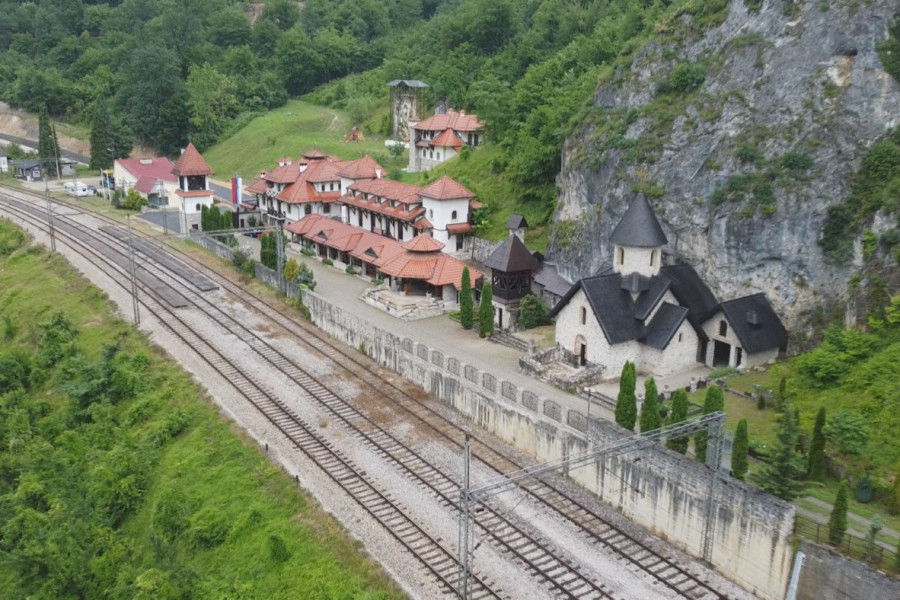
[663, 318]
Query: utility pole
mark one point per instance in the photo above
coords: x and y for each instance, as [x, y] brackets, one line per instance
[49, 214]
[279, 257]
[466, 527]
[134, 296]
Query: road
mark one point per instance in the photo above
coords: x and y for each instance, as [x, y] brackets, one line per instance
[83, 159]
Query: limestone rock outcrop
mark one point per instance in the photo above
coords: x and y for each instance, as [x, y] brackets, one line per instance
[798, 79]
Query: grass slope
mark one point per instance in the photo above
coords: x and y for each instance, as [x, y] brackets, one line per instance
[290, 131]
[212, 518]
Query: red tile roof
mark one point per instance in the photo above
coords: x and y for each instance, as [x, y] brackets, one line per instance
[388, 255]
[457, 121]
[423, 224]
[146, 184]
[423, 243]
[257, 187]
[457, 228]
[191, 163]
[363, 168]
[446, 189]
[157, 168]
[447, 139]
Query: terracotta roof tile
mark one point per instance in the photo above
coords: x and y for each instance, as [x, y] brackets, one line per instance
[446, 189]
[388, 255]
[457, 121]
[423, 243]
[363, 168]
[191, 163]
[157, 168]
[447, 139]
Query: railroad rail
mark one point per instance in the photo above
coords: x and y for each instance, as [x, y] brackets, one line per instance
[560, 576]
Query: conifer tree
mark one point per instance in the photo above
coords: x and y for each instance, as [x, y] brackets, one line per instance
[816, 463]
[650, 418]
[714, 401]
[101, 157]
[486, 311]
[465, 300]
[626, 403]
[837, 523]
[781, 475]
[48, 147]
[678, 415]
[204, 218]
[739, 450]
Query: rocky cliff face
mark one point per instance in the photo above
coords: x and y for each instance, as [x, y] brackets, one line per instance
[793, 95]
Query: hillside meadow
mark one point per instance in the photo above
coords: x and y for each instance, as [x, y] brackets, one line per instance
[118, 477]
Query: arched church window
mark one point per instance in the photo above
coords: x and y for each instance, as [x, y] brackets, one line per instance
[620, 255]
[583, 315]
[723, 328]
[453, 215]
[653, 258]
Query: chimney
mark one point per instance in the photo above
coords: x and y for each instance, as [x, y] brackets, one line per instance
[378, 173]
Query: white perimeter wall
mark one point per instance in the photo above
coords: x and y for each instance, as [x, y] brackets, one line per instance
[749, 530]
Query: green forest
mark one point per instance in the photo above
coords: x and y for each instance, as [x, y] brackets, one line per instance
[117, 483]
[159, 73]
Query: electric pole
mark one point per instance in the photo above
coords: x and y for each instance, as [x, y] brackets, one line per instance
[134, 292]
[49, 214]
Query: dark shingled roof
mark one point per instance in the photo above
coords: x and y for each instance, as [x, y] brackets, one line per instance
[665, 323]
[690, 291]
[645, 302]
[639, 226]
[755, 323]
[613, 308]
[512, 256]
[516, 222]
[635, 283]
[548, 277]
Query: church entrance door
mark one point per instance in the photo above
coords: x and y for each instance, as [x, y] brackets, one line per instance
[582, 356]
[721, 354]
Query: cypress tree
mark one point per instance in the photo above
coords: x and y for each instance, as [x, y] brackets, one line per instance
[650, 418]
[101, 157]
[626, 403]
[48, 148]
[204, 218]
[465, 300]
[781, 476]
[816, 463]
[486, 311]
[837, 523]
[678, 415]
[739, 450]
[714, 401]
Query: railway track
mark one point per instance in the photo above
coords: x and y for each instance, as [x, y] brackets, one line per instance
[559, 575]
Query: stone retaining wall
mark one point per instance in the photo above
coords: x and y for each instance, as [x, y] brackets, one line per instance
[748, 531]
[828, 575]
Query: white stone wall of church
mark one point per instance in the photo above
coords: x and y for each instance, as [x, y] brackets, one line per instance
[569, 327]
[760, 358]
[677, 356]
[637, 260]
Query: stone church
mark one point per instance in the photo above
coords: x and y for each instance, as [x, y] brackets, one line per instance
[662, 318]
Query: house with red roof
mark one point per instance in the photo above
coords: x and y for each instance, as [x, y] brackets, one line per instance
[310, 186]
[416, 267]
[152, 178]
[441, 137]
[193, 192]
[402, 211]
